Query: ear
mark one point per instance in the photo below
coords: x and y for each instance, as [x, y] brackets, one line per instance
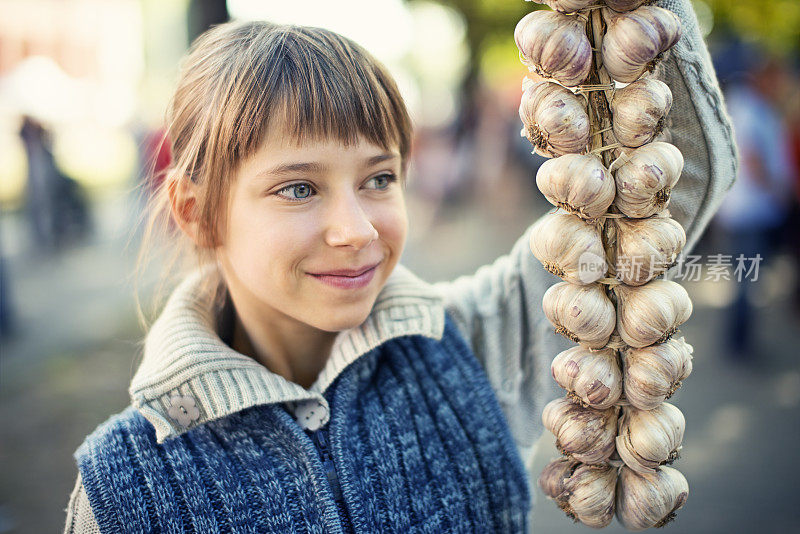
[183, 203]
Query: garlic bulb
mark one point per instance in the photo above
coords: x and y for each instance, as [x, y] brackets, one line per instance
[585, 493]
[652, 374]
[577, 183]
[565, 6]
[555, 119]
[640, 110]
[554, 46]
[651, 313]
[647, 248]
[624, 5]
[555, 474]
[579, 259]
[591, 378]
[645, 501]
[583, 314]
[646, 177]
[650, 438]
[585, 434]
[635, 41]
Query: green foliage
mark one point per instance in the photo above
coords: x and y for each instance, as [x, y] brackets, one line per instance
[773, 23]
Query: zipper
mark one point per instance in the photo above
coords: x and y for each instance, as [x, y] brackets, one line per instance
[320, 439]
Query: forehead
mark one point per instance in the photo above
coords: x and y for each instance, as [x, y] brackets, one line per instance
[278, 142]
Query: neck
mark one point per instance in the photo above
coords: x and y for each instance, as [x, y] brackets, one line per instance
[296, 351]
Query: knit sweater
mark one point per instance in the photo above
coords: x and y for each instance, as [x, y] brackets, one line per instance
[417, 437]
[497, 309]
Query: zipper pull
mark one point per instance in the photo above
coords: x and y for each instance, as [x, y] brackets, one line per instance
[321, 441]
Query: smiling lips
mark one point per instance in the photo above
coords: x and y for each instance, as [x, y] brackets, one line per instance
[348, 278]
[348, 272]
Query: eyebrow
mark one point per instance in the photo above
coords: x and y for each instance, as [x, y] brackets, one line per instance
[314, 167]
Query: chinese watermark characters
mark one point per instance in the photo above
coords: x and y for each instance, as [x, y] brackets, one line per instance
[690, 268]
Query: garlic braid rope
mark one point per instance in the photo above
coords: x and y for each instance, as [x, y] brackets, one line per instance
[605, 148]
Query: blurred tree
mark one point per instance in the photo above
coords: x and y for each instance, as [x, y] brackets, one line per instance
[774, 24]
[489, 24]
[202, 14]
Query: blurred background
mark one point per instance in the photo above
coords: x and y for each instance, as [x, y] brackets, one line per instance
[83, 89]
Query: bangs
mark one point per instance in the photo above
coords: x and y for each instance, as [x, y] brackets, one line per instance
[316, 85]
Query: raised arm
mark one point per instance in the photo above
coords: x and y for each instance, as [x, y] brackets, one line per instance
[700, 128]
[499, 308]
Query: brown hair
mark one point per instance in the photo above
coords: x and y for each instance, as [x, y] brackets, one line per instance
[237, 80]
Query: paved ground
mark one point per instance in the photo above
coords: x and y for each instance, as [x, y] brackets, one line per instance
[69, 365]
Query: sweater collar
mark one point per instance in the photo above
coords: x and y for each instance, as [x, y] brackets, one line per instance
[189, 376]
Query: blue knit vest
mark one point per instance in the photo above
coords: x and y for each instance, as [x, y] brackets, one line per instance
[418, 440]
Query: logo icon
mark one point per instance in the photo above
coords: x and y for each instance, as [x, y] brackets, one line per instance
[591, 267]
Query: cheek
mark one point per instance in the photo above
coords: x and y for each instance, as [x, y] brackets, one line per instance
[391, 222]
[267, 247]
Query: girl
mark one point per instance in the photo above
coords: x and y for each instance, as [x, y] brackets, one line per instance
[302, 380]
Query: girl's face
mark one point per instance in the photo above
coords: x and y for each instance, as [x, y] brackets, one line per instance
[296, 212]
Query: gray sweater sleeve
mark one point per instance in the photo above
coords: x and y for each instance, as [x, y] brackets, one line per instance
[80, 518]
[498, 309]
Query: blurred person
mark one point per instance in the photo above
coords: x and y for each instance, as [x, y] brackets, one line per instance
[56, 208]
[435, 174]
[7, 318]
[497, 186]
[301, 378]
[42, 175]
[791, 99]
[755, 211]
[154, 158]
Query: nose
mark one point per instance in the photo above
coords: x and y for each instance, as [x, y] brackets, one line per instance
[349, 224]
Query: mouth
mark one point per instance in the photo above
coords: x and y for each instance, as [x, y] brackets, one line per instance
[350, 273]
[352, 279]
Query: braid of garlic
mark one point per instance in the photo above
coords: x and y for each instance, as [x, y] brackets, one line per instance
[627, 362]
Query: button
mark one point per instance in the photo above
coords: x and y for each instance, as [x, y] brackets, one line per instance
[183, 409]
[311, 414]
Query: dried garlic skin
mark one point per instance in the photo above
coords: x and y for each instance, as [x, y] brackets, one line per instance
[565, 6]
[555, 474]
[647, 248]
[651, 313]
[652, 374]
[585, 493]
[650, 438]
[577, 183]
[585, 434]
[645, 177]
[635, 40]
[555, 119]
[624, 5]
[583, 314]
[640, 111]
[592, 378]
[569, 247]
[645, 501]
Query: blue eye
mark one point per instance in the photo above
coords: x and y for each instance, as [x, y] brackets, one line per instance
[301, 191]
[384, 179]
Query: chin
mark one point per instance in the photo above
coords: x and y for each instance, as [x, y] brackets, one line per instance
[336, 322]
